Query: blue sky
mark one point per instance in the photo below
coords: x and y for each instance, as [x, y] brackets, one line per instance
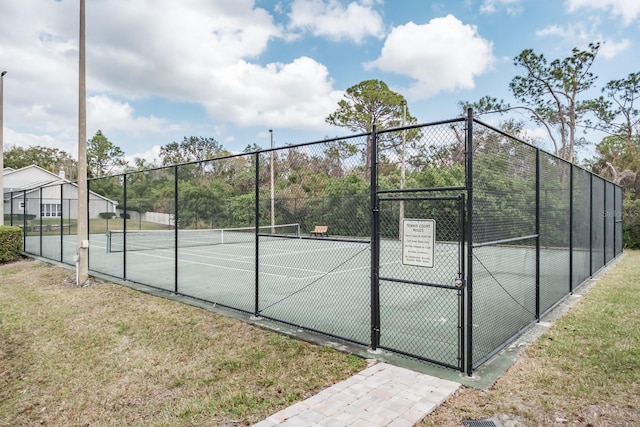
[161, 70]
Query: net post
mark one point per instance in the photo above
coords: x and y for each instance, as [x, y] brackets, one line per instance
[108, 234]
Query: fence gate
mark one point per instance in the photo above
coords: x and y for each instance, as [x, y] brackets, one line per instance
[420, 258]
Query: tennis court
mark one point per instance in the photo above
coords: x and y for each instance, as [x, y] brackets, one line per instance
[319, 284]
[499, 232]
[316, 284]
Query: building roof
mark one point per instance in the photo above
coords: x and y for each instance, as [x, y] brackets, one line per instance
[41, 178]
[31, 176]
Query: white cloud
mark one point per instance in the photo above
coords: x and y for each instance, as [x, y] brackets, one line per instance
[535, 135]
[443, 55]
[331, 19]
[272, 94]
[579, 35]
[628, 10]
[194, 51]
[513, 7]
[575, 34]
[611, 49]
[150, 155]
[108, 115]
[19, 139]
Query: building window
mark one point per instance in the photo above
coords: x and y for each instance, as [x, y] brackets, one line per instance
[21, 206]
[50, 210]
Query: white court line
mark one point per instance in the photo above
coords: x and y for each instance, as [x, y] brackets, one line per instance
[197, 253]
[309, 251]
[276, 252]
[320, 272]
[222, 266]
[244, 260]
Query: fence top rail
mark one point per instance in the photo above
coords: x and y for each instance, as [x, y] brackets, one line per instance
[422, 125]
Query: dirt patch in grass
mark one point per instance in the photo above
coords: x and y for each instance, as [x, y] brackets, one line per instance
[584, 371]
[108, 355]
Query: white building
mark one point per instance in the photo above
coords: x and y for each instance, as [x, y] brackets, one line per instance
[35, 191]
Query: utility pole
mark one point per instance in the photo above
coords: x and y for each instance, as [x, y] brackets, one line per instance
[2, 146]
[82, 261]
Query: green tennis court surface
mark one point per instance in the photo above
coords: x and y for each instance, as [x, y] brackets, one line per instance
[318, 284]
[325, 285]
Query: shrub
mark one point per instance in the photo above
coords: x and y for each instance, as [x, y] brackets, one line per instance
[10, 243]
[107, 215]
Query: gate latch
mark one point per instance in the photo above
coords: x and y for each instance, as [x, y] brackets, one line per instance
[459, 283]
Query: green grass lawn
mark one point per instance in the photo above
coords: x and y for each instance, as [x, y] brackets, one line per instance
[108, 355]
[584, 371]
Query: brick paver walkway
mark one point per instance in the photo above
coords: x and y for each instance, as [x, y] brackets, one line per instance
[380, 395]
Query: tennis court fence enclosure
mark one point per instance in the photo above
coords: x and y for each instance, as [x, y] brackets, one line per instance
[443, 241]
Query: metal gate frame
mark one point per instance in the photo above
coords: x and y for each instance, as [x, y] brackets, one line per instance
[416, 194]
[458, 285]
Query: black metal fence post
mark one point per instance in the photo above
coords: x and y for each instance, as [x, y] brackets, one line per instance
[375, 243]
[537, 290]
[614, 215]
[469, 281]
[11, 208]
[256, 310]
[604, 223]
[571, 183]
[88, 218]
[176, 222]
[590, 224]
[461, 313]
[41, 215]
[61, 222]
[24, 220]
[124, 228]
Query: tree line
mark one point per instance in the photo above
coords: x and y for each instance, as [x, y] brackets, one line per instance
[557, 95]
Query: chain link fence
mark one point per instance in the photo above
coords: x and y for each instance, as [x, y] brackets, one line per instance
[541, 227]
[441, 242]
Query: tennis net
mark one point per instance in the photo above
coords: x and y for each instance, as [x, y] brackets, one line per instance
[140, 240]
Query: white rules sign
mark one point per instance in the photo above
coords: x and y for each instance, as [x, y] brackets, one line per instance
[418, 242]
